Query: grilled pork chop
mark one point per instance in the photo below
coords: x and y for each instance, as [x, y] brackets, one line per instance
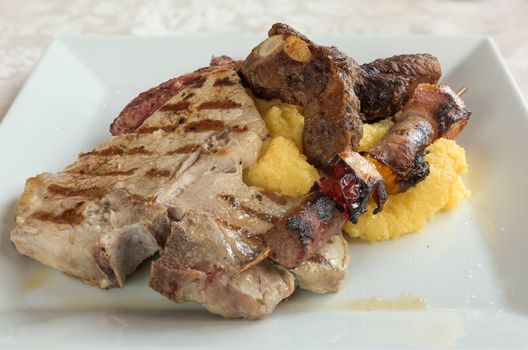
[101, 217]
[222, 221]
[220, 231]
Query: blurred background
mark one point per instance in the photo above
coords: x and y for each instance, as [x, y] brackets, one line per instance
[28, 26]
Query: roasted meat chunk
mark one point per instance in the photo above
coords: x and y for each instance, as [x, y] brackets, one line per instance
[219, 225]
[334, 90]
[201, 263]
[290, 67]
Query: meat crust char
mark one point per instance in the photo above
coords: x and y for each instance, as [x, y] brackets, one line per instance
[341, 194]
[433, 111]
[147, 102]
[290, 67]
[386, 84]
[300, 232]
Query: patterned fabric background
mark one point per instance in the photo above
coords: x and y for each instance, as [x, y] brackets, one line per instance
[28, 26]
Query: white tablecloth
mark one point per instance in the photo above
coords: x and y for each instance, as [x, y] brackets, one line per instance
[28, 26]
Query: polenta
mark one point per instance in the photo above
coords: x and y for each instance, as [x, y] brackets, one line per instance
[284, 169]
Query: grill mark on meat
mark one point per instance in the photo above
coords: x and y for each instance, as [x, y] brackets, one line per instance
[224, 82]
[191, 147]
[114, 150]
[234, 227]
[255, 237]
[250, 211]
[188, 96]
[220, 151]
[319, 259]
[175, 107]
[214, 273]
[139, 198]
[274, 197]
[74, 192]
[197, 82]
[151, 129]
[204, 125]
[69, 216]
[158, 173]
[240, 128]
[108, 173]
[227, 104]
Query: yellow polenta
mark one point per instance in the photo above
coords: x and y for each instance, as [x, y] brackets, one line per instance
[409, 211]
[282, 168]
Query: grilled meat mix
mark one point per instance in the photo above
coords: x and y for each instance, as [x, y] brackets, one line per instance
[334, 90]
[170, 179]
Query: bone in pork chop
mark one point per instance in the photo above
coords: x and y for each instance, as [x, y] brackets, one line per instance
[220, 231]
[100, 218]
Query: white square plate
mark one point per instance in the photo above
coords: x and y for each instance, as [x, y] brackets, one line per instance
[470, 264]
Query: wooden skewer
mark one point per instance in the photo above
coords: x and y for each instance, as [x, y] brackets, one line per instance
[263, 255]
[462, 90]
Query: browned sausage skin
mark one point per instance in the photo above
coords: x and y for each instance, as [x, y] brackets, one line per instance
[433, 111]
[386, 84]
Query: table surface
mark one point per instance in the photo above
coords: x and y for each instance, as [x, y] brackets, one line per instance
[27, 26]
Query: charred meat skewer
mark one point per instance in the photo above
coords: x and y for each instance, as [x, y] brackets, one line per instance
[351, 180]
[434, 111]
[341, 194]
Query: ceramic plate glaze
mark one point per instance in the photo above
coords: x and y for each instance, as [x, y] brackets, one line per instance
[469, 265]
